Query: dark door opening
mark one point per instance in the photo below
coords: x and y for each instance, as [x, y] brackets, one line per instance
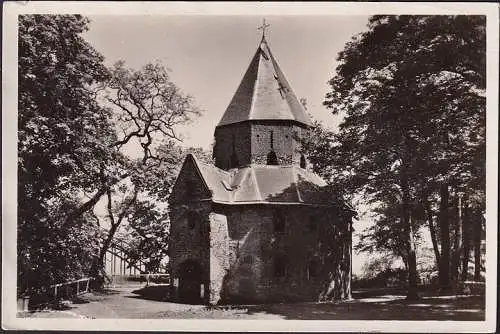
[190, 282]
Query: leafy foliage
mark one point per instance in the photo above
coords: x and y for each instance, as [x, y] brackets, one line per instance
[58, 118]
[147, 233]
[78, 123]
[412, 92]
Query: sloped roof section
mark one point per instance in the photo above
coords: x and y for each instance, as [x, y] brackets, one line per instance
[264, 93]
[277, 184]
[217, 180]
[261, 184]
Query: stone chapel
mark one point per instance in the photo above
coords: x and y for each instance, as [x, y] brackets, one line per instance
[259, 225]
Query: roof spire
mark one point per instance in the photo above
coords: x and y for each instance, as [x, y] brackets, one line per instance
[264, 93]
[263, 27]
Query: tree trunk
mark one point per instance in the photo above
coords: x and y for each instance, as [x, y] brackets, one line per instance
[412, 265]
[465, 242]
[457, 242]
[94, 199]
[87, 205]
[432, 230]
[98, 269]
[412, 293]
[337, 279]
[477, 244]
[444, 263]
[349, 279]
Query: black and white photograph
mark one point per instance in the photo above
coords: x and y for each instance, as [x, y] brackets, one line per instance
[293, 166]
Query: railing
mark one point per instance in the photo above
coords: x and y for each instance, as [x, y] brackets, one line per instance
[53, 293]
[71, 288]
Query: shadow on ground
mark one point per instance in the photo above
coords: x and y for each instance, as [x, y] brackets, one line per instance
[153, 292]
[152, 302]
[388, 307]
[106, 292]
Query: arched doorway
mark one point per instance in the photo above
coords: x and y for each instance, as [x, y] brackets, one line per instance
[190, 282]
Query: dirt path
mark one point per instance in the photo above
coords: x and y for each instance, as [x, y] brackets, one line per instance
[123, 303]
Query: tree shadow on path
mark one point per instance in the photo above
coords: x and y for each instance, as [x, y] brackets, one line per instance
[462, 308]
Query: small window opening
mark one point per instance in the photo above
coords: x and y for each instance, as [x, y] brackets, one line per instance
[234, 160]
[234, 157]
[279, 221]
[193, 219]
[190, 188]
[280, 266]
[302, 161]
[248, 259]
[312, 268]
[272, 158]
[312, 224]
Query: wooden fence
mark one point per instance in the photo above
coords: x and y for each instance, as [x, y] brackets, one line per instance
[54, 293]
[71, 288]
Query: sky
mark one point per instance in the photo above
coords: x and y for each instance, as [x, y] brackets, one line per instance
[208, 55]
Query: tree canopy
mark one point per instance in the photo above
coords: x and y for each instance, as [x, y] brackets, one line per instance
[59, 121]
[76, 118]
[411, 90]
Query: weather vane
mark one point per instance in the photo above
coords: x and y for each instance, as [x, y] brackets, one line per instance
[263, 27]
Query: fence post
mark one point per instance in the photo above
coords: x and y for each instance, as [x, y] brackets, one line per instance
[77, 288]
[87, 287]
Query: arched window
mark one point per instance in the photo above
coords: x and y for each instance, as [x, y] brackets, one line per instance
[312, 268]
[234, 163]
[312, 224]
[248, 259]
[193, 220]
[302, 161]
[272, 159]
[279, 265]
[279, 221]
[234, 160]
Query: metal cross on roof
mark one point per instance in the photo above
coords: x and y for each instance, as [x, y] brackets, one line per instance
[263, 27]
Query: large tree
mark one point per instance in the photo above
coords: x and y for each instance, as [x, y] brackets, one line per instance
[147, 107]
[78, 124]
[60, 126]
[411, 89]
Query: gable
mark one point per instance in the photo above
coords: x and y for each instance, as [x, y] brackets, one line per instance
[190, 185]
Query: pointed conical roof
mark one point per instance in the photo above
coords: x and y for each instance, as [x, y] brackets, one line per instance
[264, 93]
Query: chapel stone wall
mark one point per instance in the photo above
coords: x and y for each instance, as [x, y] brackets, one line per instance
[219, 250]
[189, 242]
[255, 247]
[284, 137]
[251, 142]
[232, 140]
